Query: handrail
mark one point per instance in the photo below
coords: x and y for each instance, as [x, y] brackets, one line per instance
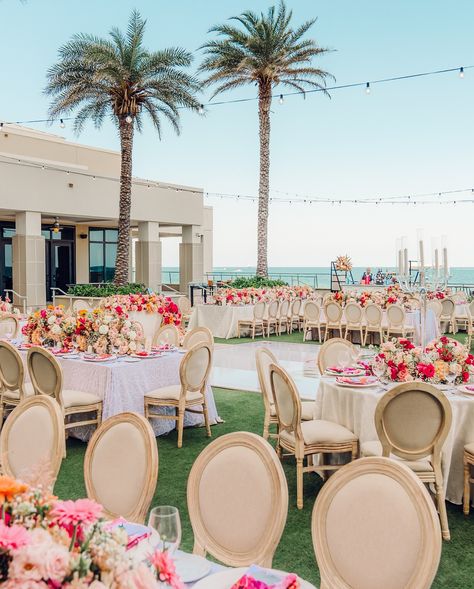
[61, 291]
[22, 297]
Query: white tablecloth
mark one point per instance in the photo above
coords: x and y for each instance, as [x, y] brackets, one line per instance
[122, 387]
[355, 409]
[431, 327]
[220, 319]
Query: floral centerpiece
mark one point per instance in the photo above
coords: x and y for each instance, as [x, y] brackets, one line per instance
[402, 361]
[148, 303]
[50, 326]
[250, 296]
[51, 544]
[343, 263]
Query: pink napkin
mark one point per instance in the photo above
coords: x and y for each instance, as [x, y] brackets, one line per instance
[258, 578]
[357, 380]
[348, 370]
[469, 388]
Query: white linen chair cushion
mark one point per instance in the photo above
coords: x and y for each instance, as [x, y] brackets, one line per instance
[375, 449]
[319, 431]
[307, 410]
[118, 484]
[469, 448]
[73, 398]
[172, 393]
[27, 389]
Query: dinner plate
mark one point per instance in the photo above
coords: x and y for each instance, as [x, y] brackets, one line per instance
[357, 372]
[465, 390]
[191, 567]
[352, 385]
[225, 579]
[147, 357]
[98, 358]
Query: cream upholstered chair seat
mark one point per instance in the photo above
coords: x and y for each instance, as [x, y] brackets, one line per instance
[173, 392]
[28, 390]
[469, 448]
[73, 398]
[318, 431]
[307, 410]
[375, 449]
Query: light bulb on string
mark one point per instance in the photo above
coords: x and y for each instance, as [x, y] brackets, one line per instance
[201, 109]
[128, 119]
[461, 72]
[367, 88]
[62, 124]
[281, 99]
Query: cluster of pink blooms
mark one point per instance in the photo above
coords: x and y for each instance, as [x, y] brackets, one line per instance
[51, 544]
[392, 295]
[148, 303]
[250, 296]
[404, 362]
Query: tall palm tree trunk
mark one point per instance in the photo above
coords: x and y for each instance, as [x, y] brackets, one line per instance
[264, 103]
[123, 245]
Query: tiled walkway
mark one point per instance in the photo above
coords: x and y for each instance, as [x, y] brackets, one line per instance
[234, 365]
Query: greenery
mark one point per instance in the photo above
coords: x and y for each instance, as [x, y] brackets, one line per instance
[105, 290]
[118, 78]
[263, 51]
[244, 411]
[256, 282]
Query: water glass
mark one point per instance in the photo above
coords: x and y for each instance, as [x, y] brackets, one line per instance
[166, 521]
[344, 359]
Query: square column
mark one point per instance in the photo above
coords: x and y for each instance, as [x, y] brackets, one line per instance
[148, 255]
[190, 257]
[29, 269]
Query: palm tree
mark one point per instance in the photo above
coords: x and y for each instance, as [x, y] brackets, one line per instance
[119, 78]
[265, 51]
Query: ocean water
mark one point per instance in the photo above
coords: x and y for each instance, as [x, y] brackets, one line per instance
[305, 275]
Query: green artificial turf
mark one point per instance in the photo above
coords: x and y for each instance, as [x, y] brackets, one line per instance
[244, 411]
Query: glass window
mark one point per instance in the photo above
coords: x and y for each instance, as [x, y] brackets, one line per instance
[7, 232]
[46, 233]
[102, 254]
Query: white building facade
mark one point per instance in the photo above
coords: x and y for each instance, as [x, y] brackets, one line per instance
[59, 205]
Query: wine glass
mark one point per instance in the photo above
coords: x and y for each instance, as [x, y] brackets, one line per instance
[451, 376]
[166, 521]
[344, 360]
[378, 368]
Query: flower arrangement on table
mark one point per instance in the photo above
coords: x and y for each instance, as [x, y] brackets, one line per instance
[402, 361]
[250, 296]
[7, 307]
[148, 303]
[343, 263]
[50, 326]
[51, 544]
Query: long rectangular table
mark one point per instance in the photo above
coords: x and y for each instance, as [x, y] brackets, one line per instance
[122, 387]
[355, 409]
[222, 320]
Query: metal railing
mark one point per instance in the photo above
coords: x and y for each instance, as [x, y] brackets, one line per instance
[467, 288]
[316, 280]
[21, 297]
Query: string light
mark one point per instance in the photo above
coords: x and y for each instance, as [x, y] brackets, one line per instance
[62, 124]
[281, 99]
[366, 85]
[201, 109]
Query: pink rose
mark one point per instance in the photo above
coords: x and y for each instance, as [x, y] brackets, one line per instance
[56, 563]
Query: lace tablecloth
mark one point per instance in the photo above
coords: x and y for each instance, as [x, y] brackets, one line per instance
[220, 319]
[355, 409]
[122, 387]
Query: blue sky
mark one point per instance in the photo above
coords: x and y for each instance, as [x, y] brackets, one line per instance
[406, 137]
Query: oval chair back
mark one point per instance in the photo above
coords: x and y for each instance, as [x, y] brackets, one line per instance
[287, 401]
[80, 305]
[375, 525]
[373, 315]
[283, 310]
[9, 326]
[470, 308]
[296, 308]
[330, 351]
[196, 336]
[413, 421]
[353, 313]
[436, 307]
[167, 334]
[395, 317]
[448, 308]
[238, 500]
[12, 372]
[264, 358]
[195, 367]
[45, 373]
[259, 310]
[32, 441]
[312, 311]
[121, 466]
[333, 312]
[184, 305]
[273, 309]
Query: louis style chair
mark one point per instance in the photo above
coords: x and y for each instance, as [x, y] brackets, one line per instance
[237, 500]
[32, 441]
[254, 324]
[196, 336]
[9, 326]
[374, 525]
[166, 334]
[121, 466]
[190, 395]
[12, 379]
[312, 319]
[331, 350]
[412, 422]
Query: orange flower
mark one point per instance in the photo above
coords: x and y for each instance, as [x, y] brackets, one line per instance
[50, 307]
[9, 488]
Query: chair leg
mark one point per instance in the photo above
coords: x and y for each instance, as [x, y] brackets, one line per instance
[299, 483]
[206, 418]
[443, 516]
[180, 427]
[266, 426]
[467, 488]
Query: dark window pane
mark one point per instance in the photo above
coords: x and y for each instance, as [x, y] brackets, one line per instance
[68, 233]
[110, 256]
[96, 262]
[96, 234]
[111, 235]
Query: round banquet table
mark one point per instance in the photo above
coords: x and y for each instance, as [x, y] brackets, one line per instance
[122, 387]
[355, 409]
[222, 320]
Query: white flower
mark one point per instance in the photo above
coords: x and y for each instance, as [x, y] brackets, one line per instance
[127, 323]
[132, 346]
[103, 330]
[56, 329]
[51, 319]
[132, 335]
